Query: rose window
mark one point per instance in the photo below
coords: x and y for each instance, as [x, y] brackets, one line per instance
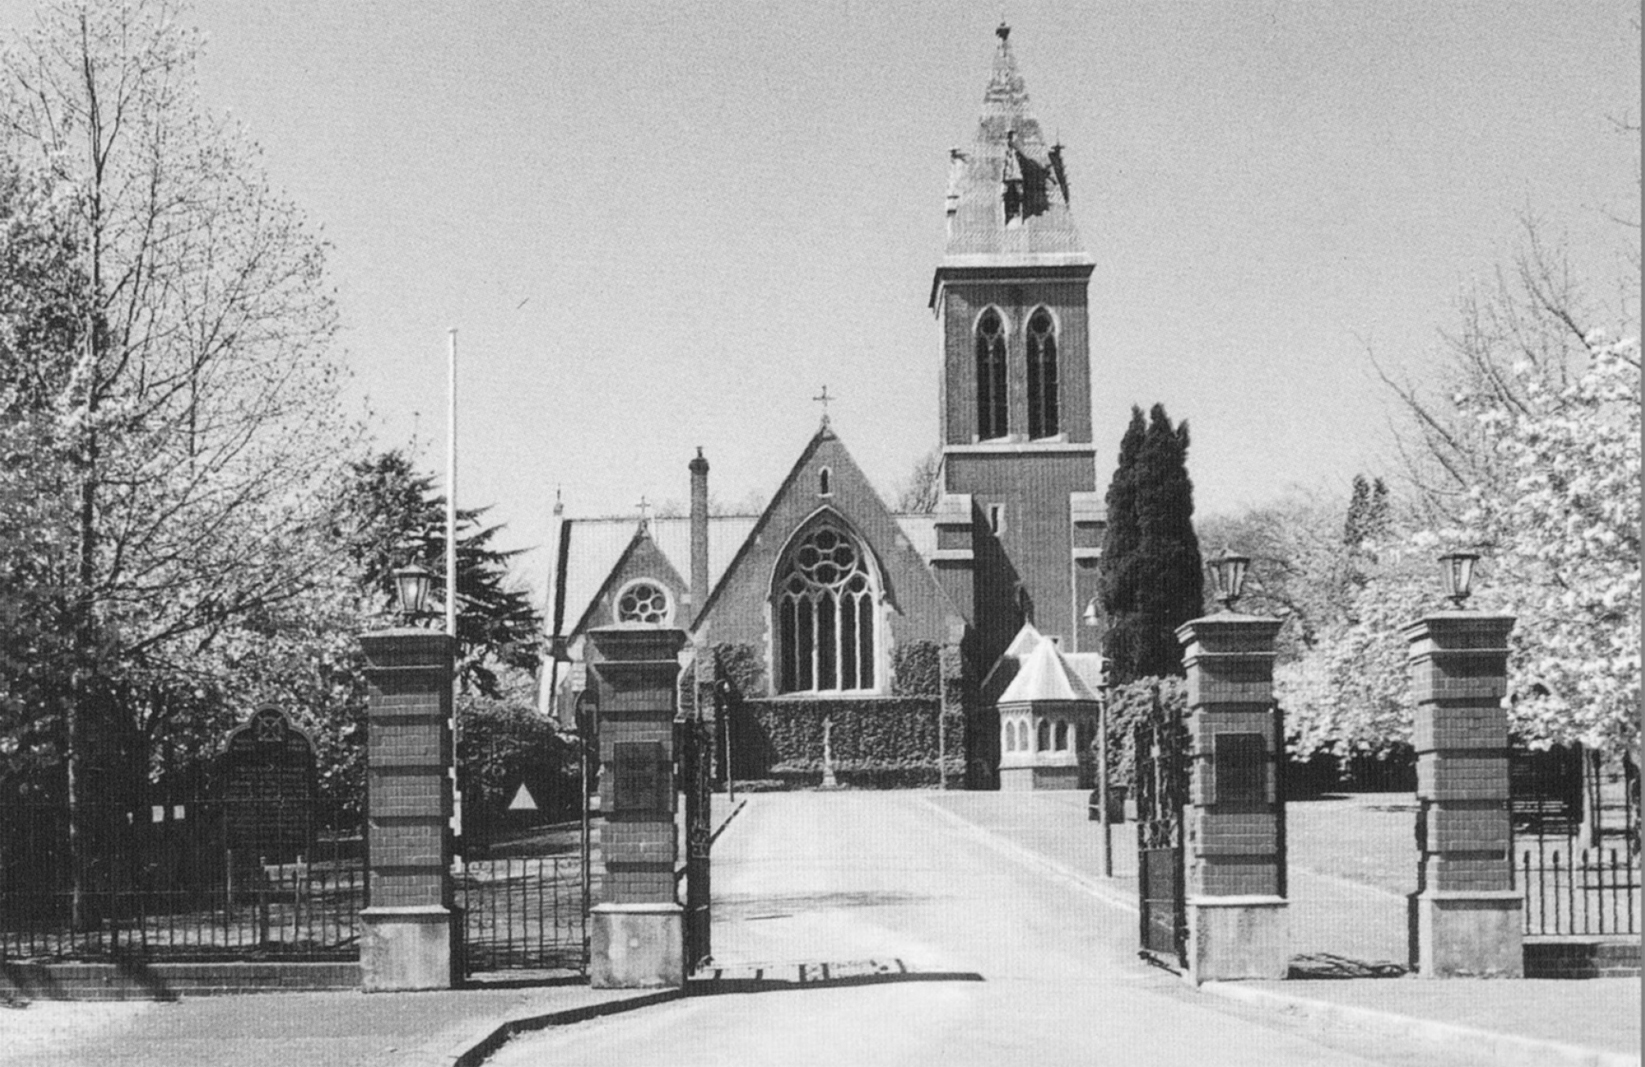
[643, 604]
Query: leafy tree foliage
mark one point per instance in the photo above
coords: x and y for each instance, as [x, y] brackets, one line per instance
[39, 334]
[919, 493]
[1531, 455]
[1564, 538]
[169, 361]
[394, 517]
[1153, 580]
[1340, 574]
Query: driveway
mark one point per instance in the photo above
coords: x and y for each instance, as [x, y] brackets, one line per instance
[946, 943]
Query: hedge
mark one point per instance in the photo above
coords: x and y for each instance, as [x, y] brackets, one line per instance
[876, 742]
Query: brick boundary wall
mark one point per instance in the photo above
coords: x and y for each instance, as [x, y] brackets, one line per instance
[1585, 957]
[168, 981]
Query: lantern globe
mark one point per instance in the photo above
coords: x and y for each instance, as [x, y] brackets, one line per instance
[411, 587]
[1228, 577]
[1457, 571]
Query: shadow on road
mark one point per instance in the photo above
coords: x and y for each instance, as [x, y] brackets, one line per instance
[734, 907]
[766, 978]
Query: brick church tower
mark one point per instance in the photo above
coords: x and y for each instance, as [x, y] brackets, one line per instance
[1020, 523]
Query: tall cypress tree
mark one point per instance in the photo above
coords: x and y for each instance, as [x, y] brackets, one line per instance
[1118, 585]
[1153, 579]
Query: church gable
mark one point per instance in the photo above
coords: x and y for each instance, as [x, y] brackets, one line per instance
[643, 588]
[829, 540]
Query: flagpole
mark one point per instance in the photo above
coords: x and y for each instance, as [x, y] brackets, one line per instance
[451, 483]
[451, 567]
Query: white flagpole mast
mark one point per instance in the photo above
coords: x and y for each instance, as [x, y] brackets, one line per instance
[451, 565]
[451, 484]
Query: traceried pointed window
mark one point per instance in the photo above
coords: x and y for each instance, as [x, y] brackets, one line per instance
[1042, 375]
[991, 399]
[826, 605]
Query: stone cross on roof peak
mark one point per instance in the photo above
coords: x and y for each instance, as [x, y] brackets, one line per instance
[824, 399]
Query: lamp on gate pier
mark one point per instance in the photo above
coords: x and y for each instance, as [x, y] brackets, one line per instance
[411, 586]
[1457, 570]
[1228, 577]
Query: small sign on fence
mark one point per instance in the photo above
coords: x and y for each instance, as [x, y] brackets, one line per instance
[523, 800]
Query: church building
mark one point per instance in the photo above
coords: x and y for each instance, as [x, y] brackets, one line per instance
[831, 634]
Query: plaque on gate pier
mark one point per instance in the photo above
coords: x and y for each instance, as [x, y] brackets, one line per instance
[642, 780]
[1240, 768]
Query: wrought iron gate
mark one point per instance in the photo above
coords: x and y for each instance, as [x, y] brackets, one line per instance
[1161, 789]
[523, 912]
[696, 768]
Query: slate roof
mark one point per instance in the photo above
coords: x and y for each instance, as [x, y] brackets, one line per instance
[598, 544]
[1005, 669]
[1046, 675]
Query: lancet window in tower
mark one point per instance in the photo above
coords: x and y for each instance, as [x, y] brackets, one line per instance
[991, 396]
[1042, 375]
[826, 601]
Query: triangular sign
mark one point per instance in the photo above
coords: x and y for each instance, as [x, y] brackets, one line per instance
[523, 800]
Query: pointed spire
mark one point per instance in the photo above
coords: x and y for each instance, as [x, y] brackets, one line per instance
[1008, 194]
[1006, 86]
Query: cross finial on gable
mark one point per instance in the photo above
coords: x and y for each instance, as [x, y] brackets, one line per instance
[823, 398]
[645, 510]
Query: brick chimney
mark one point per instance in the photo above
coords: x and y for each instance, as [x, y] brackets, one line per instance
[699, 535]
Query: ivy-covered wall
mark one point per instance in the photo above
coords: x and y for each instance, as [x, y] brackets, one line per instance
[916, 669]
[876, 742]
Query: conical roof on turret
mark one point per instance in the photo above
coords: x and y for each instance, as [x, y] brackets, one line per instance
[1008, 191]
[1046, 675]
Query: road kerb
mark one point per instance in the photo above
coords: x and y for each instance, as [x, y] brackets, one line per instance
[474, 1049]
[1506, 1048]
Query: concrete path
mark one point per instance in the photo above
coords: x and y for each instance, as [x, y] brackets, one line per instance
[946, 944]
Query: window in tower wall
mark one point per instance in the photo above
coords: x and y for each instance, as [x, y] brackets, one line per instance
[825, 614]
[1042, 375]
[991, 395]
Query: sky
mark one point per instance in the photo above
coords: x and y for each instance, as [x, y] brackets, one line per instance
[664, 225]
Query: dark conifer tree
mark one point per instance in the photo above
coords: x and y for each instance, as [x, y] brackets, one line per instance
[1153, 576]
[1117, 586]
[1367, 512]
[391, 515]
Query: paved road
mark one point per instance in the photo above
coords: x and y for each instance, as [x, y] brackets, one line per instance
[1028, 966]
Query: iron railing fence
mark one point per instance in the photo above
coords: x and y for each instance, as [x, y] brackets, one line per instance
[198, 879]
[1566, 808]
[1578, 891]
[524, 913]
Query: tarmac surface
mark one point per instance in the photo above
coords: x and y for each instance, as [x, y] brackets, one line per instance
[857, 928]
